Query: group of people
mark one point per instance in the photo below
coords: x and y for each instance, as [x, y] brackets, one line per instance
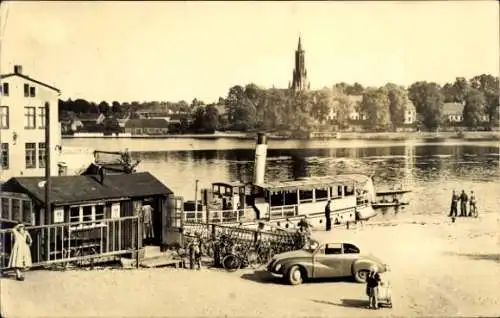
[464, 200]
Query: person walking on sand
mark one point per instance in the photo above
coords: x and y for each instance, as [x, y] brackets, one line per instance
[20, 257]
[454, 203]
[372, 281]
[328, 216]
[463, 203]
[472, 207]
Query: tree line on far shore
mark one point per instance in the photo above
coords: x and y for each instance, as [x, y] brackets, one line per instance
[250, 107]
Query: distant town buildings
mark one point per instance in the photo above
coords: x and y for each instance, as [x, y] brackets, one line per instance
[453, 113]
[22, 125]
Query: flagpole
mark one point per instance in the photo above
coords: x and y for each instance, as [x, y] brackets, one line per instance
[48, 211]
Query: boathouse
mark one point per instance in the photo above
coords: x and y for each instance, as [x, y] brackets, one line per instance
[99, 212]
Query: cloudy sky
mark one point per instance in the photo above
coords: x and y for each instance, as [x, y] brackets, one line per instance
[179, 50]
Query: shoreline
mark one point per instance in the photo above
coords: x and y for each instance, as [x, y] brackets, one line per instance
[467, 135]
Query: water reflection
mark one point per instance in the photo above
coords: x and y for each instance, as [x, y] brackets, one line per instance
[409, 164]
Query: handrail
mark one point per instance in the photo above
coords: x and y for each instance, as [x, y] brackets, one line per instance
[55, 243]
[284, 209]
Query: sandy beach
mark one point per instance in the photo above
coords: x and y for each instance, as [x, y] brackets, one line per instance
[437, 269]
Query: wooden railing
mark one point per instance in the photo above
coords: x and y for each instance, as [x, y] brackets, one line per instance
[283, 211]
[76, 241]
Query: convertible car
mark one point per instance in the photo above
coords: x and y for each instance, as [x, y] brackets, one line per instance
[324, 261]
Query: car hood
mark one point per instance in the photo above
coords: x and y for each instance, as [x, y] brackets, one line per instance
[292, 254]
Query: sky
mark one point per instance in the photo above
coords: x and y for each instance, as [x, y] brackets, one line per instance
[169, 51]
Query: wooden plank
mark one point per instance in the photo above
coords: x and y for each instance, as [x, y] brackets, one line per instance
[160, 261]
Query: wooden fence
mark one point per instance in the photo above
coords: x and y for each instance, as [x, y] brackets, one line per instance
[77, 241]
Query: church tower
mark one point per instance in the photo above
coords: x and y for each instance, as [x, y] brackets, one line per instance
[299, 79]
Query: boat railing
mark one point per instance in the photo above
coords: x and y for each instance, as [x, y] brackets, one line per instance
[193, 216]
[227, 216]
[283, 211]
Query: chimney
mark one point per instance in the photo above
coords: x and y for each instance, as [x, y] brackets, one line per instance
[18, 69]
[260, 159]
[101, 175]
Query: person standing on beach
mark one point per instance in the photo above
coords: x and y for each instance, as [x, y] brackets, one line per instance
[20, 257]
[372, 282]
[454, 203]
[328, 216]
[463, 203]
[472, 203]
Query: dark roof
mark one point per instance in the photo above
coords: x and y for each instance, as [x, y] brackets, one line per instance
[146, 123]
[30, 79]
[72, 189]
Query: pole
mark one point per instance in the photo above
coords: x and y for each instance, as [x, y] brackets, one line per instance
[196, 201]
[137, 258]
[48, 211]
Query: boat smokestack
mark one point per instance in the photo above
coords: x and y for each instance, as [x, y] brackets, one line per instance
[260, 159]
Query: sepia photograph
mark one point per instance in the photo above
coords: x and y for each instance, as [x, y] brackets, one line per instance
[249, 159]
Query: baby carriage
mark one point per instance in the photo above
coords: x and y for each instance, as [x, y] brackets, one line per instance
[385, 294]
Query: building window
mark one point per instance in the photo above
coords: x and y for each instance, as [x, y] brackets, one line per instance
[41, 116]
[5, 208]
[4, 156]
[86, 213]
[41, 154]
[26, 90]
[32, 91]
[74, 214]
[30, 155]
[16, 209]
[29, 117]
[99, 212]
[4, 117]
[5, 89]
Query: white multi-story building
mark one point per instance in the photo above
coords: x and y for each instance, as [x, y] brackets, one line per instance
[22, 125]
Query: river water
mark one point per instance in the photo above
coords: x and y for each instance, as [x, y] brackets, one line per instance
[431, 169]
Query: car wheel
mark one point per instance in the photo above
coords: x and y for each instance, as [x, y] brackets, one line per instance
[295, 276]
[360, 275]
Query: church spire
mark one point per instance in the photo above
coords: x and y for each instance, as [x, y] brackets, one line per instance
[299, 79]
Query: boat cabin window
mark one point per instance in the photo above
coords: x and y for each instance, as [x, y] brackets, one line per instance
[277, 199]
[350, 249]
[306, 196]
[290, 197]
[336, 192]
[216, 190]
[321, 194]
[348, 190]
[332, 249]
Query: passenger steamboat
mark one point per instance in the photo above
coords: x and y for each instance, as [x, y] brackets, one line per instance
[281, 204]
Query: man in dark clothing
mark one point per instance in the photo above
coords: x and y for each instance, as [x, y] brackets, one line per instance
[328, 217]
[463, 203]
[454, 203]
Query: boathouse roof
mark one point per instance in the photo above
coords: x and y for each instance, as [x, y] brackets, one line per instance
[76, 189]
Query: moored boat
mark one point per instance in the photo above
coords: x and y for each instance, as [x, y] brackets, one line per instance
[282, 204]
